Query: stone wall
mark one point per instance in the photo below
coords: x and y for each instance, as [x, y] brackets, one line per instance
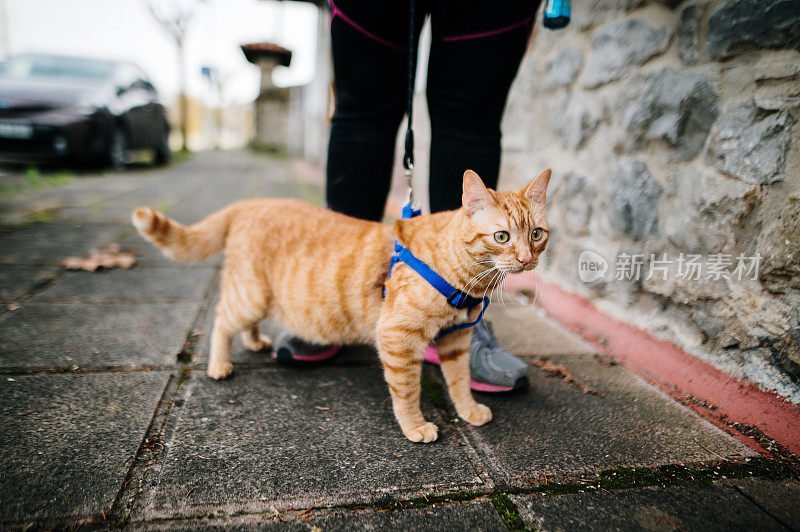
[673, 131]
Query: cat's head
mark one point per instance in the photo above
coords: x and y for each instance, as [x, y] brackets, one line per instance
[508, 229]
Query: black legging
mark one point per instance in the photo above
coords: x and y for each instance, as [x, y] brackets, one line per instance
[476, 49]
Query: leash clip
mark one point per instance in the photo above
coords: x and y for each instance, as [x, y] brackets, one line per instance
[409, 186]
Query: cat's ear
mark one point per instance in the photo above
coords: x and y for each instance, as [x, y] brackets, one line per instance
[536, 191]
[475, 197]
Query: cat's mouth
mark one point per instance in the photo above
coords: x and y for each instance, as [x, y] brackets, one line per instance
[520, 268]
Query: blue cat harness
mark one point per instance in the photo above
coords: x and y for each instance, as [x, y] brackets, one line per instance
[455, 297]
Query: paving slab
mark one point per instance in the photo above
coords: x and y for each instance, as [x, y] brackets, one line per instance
[525, 331]
[55, 335]
[67, 441]
[16, 281]
[41, 252]
[779, 498]
[94, 233]
[208, 200]
[138, 285]
[83, 192]
[473, 515]
[289, 437]
[557, 429]
[715, 507]
[162, 194]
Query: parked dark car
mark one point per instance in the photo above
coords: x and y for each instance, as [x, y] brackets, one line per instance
[73, 109]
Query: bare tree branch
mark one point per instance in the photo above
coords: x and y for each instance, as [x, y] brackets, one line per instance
[174, 17]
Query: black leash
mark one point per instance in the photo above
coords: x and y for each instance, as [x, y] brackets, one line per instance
[408, 157]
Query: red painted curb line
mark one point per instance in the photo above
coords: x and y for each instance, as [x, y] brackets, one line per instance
[712, 393]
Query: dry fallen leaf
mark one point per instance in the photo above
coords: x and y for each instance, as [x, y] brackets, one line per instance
[560, 370]
[110, 256]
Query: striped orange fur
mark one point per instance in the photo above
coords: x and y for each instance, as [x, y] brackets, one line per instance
[321, 274]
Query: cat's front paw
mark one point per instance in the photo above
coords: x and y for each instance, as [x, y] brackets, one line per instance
[425, 433]
[220, 370]
[477, 414]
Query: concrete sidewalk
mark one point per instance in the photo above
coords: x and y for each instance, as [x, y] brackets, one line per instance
[108, 420]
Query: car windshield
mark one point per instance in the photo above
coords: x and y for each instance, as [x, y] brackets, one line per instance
[41, 67]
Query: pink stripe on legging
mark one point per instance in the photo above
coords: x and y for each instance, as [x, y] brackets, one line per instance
[336, 11]
[489, 33]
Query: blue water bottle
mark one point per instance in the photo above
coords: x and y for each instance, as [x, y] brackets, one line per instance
[556, 14]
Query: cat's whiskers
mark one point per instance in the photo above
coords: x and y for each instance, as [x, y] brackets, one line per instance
[503, 292]
[488, 285]
[494, 287]
[483, 278]
[507, 267]
[476, 279]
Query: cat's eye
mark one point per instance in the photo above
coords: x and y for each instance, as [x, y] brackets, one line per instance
[502, 236]
[537, 234]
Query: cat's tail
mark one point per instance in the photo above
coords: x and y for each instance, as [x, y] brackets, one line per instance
[180, 243]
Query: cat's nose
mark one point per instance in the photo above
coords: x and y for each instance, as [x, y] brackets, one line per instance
[524, 260]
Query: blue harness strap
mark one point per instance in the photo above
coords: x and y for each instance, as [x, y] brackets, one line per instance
[455, 297]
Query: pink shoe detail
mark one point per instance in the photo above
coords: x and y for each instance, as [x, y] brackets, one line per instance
[431, 355]
[484, 387]
[325, 355]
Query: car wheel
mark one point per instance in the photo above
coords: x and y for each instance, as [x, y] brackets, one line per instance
[117, 154]
[162, 152]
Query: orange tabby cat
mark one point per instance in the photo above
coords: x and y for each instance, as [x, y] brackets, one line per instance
[321, 274]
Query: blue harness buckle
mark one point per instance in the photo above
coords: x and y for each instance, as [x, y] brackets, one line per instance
[458, 299]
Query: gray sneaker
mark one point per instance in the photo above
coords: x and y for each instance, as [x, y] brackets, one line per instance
[492, 368]
[291, 349]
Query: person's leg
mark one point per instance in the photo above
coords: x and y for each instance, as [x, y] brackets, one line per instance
[476, 50]
[370, 63]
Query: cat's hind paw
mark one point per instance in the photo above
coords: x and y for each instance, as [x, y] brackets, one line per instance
[264, 343]
[425, 433]
[221, 370]
[477, 415]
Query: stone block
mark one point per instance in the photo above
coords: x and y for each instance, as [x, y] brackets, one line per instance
[690, 20]
[573, 121]
[55, 335]
[779, 245]
[634, 200]
[620, 46]
[753, 24]
[557, 429]
[675, 107]
[564, 67]
[289, 437]
[713, 507]
[751, 144]
[68, 442]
